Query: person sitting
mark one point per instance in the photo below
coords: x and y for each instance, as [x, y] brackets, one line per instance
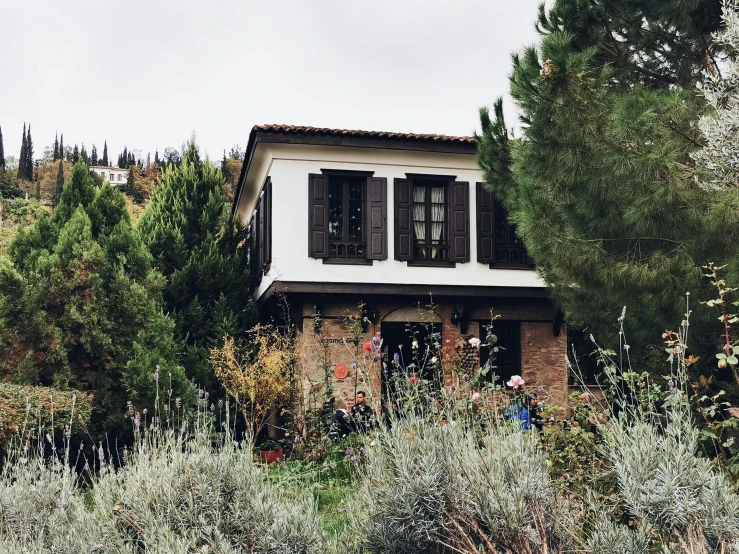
[362, 414]
[341, 425]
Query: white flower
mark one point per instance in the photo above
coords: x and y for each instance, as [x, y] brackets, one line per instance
[474, 342]
[433, 360]
[414, 344]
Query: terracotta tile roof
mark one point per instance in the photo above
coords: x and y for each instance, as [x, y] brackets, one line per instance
[302, 130]
[296, 134]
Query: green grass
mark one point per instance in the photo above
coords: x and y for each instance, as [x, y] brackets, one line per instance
[330, 481]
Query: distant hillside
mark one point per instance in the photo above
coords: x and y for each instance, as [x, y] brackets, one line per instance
[18, 213]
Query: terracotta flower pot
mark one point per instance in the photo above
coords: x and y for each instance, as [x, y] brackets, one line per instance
[271, 456]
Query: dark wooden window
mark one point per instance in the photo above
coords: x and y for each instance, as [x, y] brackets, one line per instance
[497, 242]
[508, 357]
[346, 215]
[430, 225]
[431, 221]
[260, 234]
[347, 218]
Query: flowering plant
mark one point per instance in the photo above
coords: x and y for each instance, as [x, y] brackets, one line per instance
[516, 381]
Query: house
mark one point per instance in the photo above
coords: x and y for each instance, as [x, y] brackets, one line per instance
[115, 175]
[395, 222]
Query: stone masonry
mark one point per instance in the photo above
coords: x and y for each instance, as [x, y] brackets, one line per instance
[542, 353]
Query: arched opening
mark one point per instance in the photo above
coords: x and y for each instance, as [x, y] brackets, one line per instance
[411, 339]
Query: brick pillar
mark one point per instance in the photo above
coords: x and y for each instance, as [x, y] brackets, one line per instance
[543, 360]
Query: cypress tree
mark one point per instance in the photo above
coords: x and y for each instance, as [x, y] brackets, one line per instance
[88, 261]
[76, 154]
[2, 151]
[29, 155]
[156, 157]
[105, 153]
[225, 169]
[94, 155]
[84, 156]
[37, 194]
[59, 183]
[124, 157]
[61, 148]
[202, 253]
[22, 157]
[596, 185]
[56, 147]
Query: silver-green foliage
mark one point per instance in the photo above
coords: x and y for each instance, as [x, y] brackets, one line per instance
[667, 486]
[428, 488]
[173, 497]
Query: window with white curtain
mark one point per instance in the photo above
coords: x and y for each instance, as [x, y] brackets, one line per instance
[430, 235]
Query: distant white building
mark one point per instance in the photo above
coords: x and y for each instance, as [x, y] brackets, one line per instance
[115, 175]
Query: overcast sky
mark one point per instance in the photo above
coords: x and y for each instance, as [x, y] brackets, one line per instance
[147, 73]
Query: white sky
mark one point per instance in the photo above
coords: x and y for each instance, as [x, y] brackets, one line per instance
[147, 73]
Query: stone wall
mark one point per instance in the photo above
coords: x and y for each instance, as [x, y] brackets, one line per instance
[542, 353]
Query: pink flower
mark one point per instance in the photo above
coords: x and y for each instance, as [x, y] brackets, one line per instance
[413, 380]
[516, 381]
[475, 396]
[474, 342]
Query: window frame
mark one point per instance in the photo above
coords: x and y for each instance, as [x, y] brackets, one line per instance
[512, 241]
[363, 178]
[428, 183]
[359, 178]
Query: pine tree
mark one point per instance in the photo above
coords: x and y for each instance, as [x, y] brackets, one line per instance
[61, 148]
[56, 148]
[105, 154]
[202, 254]
[22, 165]
[29, 155]
[94, 155]
[59, 183]
[596, 185]
[75, 154]
[2, 151]
[86, 260]
[655, 43]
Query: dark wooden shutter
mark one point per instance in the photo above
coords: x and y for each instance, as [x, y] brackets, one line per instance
[376, 219]
[403, 200]
[318, 216]
[459, 224]
[262, 233]
[485, 225]
[267, 207]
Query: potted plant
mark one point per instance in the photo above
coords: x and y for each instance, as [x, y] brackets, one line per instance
[271, 452]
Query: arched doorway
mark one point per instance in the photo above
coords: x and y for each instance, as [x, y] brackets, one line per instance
[399, 330]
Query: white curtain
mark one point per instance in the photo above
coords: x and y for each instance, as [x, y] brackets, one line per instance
[437, 217]
[419, 213]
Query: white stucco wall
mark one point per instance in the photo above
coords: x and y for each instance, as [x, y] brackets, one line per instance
[114, 175]
[289, 167]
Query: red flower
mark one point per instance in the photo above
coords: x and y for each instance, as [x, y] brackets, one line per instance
[413, 380]
[367, 347]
